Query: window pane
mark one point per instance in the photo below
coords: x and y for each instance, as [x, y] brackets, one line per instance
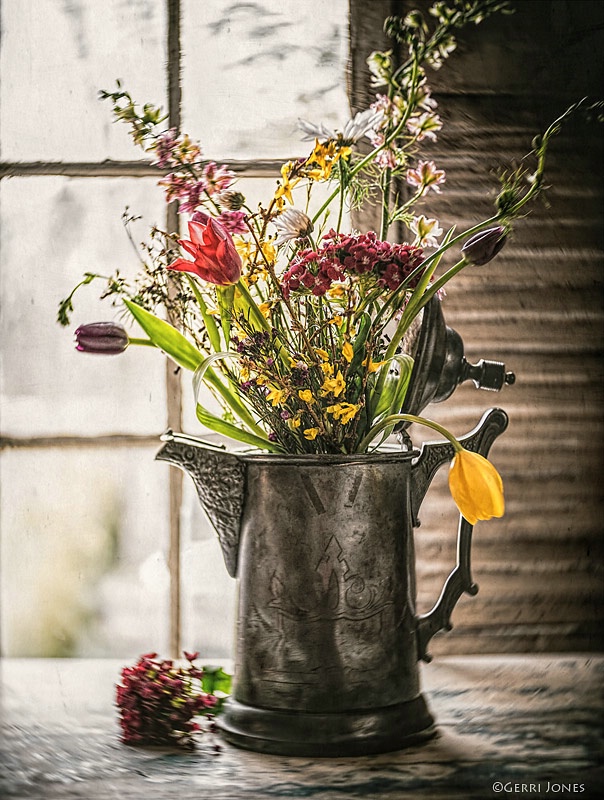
[208, 593]
[252, 69]
[47, 387]
[56, 56]
[84, 542]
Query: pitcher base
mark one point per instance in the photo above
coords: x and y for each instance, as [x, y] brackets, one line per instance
[348, 733]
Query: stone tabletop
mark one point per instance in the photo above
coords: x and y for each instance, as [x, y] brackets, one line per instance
[509, 726]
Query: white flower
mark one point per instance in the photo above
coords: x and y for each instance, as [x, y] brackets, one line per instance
[361, 124]
[354, 129]
[424, 126]
[426, 231]
[312, 131]
[292, 224]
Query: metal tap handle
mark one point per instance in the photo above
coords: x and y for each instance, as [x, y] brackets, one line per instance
[434, 455]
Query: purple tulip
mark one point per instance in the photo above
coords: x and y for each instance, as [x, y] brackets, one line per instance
[104, 338]
[483, 246]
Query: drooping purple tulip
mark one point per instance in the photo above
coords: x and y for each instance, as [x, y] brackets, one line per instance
[484, 246]
[103, 338]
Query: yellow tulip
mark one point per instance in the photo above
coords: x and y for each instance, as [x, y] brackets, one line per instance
[476, 486]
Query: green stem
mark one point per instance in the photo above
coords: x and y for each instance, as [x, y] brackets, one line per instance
[386, 184]
[142, 342]
[256, 313]
[361, 165]
[392, 420]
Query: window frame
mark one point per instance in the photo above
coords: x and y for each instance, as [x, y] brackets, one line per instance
[137, 169]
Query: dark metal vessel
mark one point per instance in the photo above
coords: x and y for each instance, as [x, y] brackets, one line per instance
[328, 638]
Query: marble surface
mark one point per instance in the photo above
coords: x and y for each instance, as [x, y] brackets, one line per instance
[508, 726]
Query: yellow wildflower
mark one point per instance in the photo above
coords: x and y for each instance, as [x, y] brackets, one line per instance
[311, 433]
[285, 189]
[261, 380]
[321, 161]
[476, 487]
[322, 353]
[344, 411]
[337, 291]
[265, 309]
[337, 320]
[306, 396]
[294, 422]
[244, 248]
[334, 386]
[348, 352]
[244, 374]
[372, 366]
[268, 249]
[327, 368]
[276, 396]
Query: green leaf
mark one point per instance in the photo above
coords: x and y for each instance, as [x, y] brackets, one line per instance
[225, 296]
[202, 369]
[215, 679]
[225, 428]
[166, 337]
[389, 398]
[205, 373]
[209, 321]
[245, 303]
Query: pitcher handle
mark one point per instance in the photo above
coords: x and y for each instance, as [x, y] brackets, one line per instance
[433, 456]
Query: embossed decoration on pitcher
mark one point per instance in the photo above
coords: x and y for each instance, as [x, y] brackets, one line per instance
[328, 638]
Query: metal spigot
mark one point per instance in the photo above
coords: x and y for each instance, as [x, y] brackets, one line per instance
[490, 375]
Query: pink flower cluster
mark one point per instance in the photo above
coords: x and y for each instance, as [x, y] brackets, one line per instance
[341, 256]
[172, 150]
[158, 701]
[191, 182]
[190, 189]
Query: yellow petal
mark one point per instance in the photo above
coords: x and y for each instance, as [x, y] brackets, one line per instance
[348, 352]
[476, 487]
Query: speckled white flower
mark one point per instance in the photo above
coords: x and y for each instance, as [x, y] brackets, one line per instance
[292, 224]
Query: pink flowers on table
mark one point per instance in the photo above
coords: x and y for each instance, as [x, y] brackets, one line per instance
[158, 702]
[215, 258]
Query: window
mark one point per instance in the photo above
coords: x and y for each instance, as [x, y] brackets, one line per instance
[104, 551]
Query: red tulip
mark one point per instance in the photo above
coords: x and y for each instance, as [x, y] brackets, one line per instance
[215, 258]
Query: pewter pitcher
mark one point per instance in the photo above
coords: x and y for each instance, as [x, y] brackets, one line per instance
[328, 639]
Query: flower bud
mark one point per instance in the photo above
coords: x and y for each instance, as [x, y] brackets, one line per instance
[104, 338]
[231, 200]
[476, 487]
[483, 246]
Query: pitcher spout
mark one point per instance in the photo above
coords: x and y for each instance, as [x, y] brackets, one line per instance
[219, 477]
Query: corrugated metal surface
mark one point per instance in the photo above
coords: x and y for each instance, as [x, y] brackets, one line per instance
[537, 307]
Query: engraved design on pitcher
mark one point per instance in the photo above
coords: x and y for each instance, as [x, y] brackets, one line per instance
[344, 595]
[303, 637]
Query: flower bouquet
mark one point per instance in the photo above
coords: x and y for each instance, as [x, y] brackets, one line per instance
[296, 324]
[160, 701]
